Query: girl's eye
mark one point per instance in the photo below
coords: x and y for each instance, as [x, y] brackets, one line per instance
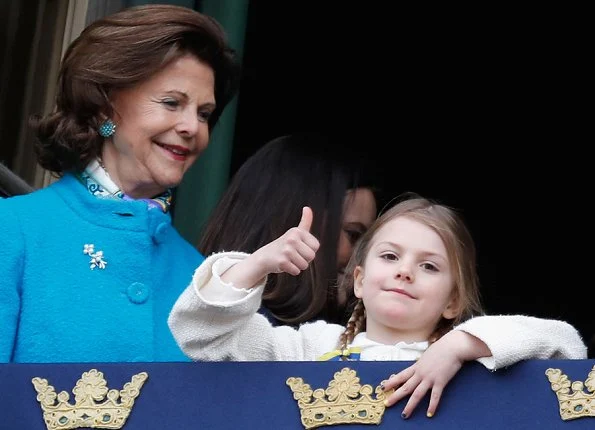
[430, 267]
[389, 256]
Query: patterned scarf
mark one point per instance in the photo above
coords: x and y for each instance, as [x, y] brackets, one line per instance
[97, 181]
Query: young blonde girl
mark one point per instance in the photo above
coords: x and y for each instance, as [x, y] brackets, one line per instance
[414, 277]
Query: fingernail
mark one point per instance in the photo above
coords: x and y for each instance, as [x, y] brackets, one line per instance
[385, 403]
[430, 414]
[403, 415]
[382, 385]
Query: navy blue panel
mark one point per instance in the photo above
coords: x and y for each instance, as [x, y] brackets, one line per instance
[254, 395]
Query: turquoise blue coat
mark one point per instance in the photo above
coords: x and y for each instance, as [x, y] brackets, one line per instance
[55, 308]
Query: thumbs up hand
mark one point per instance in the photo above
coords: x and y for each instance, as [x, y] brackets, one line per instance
[290, 253]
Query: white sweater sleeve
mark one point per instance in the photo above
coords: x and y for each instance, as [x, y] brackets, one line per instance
[214, 321]
[513, 338]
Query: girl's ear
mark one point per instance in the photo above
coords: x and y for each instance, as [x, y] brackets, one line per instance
[453, 308]
[358, 282]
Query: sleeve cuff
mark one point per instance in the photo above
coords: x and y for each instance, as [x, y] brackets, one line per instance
[212, 289]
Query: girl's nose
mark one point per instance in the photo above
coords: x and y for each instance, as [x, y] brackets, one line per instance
[404, 274]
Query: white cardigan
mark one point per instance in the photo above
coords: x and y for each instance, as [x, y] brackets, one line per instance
[214, 321]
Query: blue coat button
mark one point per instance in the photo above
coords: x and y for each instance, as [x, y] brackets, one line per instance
[160, 233]
[137, 292]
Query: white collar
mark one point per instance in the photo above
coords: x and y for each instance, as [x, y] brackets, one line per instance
[361, 340]
[98, 174]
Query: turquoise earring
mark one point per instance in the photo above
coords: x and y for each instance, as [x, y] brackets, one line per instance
[107, 129]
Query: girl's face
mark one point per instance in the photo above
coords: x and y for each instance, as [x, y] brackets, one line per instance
[406, 283]
[161, 128]
[359, 212]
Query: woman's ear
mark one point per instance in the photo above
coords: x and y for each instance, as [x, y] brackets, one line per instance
[453, 308]
[358, 282]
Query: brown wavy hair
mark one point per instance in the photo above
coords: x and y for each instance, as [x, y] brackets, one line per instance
[460, 247]
[121, 51]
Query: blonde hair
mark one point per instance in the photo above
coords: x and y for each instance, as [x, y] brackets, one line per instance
[460, 248]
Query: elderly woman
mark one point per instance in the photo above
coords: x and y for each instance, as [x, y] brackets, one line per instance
[92, 264]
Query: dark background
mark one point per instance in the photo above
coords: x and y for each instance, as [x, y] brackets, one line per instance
[477, 111]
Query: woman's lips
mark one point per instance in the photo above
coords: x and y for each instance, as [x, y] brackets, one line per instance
[175, 151]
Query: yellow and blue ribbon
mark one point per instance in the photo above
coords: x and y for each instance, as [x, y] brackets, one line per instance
[350, 354]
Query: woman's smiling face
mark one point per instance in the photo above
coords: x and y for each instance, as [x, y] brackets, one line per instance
[161, 127]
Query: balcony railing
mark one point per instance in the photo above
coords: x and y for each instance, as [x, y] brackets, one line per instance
[255, 395]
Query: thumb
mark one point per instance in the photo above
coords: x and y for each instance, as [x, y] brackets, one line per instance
[306, 221]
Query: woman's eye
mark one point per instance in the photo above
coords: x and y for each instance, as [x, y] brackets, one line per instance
[353, 235]
[171, 103]
[204, 116]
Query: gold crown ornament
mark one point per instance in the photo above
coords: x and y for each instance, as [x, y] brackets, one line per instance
[344, 401]
[575, 403]
[96, 406]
